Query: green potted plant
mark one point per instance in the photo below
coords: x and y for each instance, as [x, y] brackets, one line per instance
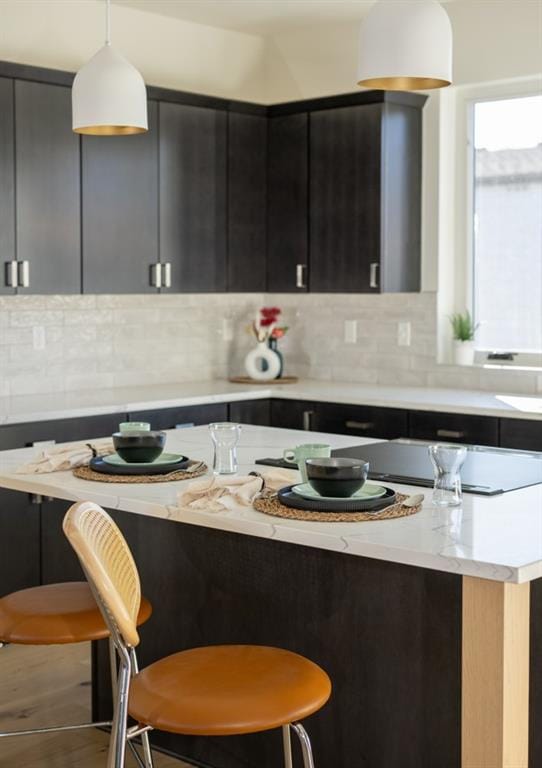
[464, 330]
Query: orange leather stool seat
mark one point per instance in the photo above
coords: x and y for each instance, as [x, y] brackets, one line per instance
[227, 689]
[55, 614]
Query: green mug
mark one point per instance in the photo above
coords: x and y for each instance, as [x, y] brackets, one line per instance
[300, 453]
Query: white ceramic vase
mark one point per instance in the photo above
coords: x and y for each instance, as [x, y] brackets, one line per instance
[262, 363]
[463, 352]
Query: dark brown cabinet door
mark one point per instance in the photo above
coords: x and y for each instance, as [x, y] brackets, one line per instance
[193, 196]
[345, 163]
[362, 421]
[187, 416]
[454, 428]
[287, 213]
[120, 210]
[7, 184]
[251, 412]
[524, 434]
[247, 172]
[48, 188]
[295, 414]
[60, 431]
[19, 542]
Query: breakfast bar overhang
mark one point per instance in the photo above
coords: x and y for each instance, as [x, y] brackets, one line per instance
[430, 626]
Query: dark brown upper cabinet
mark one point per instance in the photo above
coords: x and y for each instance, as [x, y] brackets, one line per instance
[287, 211]
[247, 183]
[365, 196]
[193, 155]
[120, 210]
[7, 188]
[47, 189]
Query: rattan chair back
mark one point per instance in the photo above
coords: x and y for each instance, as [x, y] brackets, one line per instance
[109, 566]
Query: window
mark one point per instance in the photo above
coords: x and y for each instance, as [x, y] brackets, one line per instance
[506, 225]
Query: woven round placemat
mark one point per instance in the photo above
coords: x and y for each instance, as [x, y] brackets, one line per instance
[86, 473]
[270, 505]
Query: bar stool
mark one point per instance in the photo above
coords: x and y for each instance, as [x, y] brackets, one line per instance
[210, 691]
[56, 614]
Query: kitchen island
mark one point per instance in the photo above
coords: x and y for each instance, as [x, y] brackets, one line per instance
[424, 623]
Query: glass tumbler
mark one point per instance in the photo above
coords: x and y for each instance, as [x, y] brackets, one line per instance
[447, 461]
[225, 436]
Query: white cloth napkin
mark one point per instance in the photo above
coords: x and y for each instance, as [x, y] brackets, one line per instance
[214, 494]
[57, 458]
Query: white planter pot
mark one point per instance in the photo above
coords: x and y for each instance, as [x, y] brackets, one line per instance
[464, 352]
[260, 358]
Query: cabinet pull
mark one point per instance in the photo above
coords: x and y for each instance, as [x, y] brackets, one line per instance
[23, 274]
[167, 275]
[364, 425]
[300, 276]
[307, 420]
[11, 274]
[450, 433]
[156, 275]
[373, 274]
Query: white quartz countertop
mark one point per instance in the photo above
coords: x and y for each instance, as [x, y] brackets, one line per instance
[497, 537]
[27, 408]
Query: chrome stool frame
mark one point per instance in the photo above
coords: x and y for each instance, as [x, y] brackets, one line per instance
[122, 735]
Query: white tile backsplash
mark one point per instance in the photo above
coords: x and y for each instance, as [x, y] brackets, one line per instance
[105, 341]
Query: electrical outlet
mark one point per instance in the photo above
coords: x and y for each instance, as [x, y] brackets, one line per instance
[38, 338]
[404, 333]
[350, 331]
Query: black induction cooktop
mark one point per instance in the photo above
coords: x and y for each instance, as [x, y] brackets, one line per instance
[486, 471]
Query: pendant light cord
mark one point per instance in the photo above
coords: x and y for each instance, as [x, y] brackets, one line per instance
[108, 22]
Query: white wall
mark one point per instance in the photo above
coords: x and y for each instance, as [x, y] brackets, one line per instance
[63, 34]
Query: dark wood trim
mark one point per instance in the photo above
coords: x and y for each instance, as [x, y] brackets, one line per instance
[201, 100]
[416, 100]
[61, 77]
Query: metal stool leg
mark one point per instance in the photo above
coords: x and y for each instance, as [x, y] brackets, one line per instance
[147, 754]
[287, 746]
[306, 748]
[114, 669]
[117, 744]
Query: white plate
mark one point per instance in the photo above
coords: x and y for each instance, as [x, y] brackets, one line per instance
[164, 458]
[365, 493]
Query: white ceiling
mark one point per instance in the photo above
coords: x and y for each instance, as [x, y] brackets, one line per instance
[260, 17]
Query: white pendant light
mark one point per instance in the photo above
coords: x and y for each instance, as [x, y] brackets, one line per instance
[108, 94]
[405, 45]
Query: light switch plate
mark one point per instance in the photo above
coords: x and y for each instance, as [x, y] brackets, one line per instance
[404, 334]
[350, 331]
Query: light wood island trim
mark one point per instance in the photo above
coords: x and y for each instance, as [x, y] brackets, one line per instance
[495, 674]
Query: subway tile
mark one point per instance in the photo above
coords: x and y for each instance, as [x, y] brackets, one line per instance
[34, 317]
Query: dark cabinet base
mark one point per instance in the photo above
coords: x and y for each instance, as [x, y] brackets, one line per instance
[389, 636]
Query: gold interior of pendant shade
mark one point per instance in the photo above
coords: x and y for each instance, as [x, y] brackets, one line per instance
[404, 83]
[109, 130]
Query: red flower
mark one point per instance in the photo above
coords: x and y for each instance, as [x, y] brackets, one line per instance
[273, 312]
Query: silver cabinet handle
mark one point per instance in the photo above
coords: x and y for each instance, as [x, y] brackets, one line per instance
[167, 274]
[373, 274]
[364, 425]
[307, 420]
[300, 276]
[450, 433]
[23, 274]
[11, 274]
[156, 275]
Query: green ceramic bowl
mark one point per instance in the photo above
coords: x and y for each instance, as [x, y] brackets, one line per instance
[139, 447]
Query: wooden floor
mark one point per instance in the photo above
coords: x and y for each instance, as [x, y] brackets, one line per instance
[51, 686]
